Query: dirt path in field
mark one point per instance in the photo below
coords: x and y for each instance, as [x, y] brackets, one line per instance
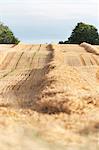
[49, 97]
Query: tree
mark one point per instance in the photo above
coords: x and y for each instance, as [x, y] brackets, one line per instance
[61, 42]
[84, 33]
[7, 36]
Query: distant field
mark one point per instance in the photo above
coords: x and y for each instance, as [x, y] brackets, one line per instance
[50, 93]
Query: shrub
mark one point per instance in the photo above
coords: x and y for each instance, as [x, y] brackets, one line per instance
[7, 36]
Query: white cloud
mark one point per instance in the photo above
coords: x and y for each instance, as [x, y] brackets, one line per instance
[52, 9]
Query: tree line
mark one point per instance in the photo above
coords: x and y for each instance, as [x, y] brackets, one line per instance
[83, 33]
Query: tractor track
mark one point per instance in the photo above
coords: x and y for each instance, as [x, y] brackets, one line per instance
[28, 76]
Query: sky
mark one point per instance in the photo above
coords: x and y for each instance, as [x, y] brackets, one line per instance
[46, 21]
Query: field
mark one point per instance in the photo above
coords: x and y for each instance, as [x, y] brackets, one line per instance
[49, 97]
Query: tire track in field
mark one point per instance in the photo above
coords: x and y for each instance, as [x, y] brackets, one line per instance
[96, 60]
[6, 87]
[82, 60]
[18, 61]
[26, 90]
[7, 61]
[13, 68]
[9, 86]
[20, 83]
[36, 86]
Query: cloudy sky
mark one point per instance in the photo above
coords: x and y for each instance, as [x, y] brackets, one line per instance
[41, 21]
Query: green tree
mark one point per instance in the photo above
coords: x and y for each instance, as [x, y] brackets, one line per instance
[61, 42]
[83, 33]
[7, 36]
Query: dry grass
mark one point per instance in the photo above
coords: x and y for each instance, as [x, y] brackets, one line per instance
[49, 96]
[57, 95]
[90, 48]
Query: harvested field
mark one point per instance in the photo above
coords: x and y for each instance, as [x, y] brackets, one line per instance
[49, 97]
